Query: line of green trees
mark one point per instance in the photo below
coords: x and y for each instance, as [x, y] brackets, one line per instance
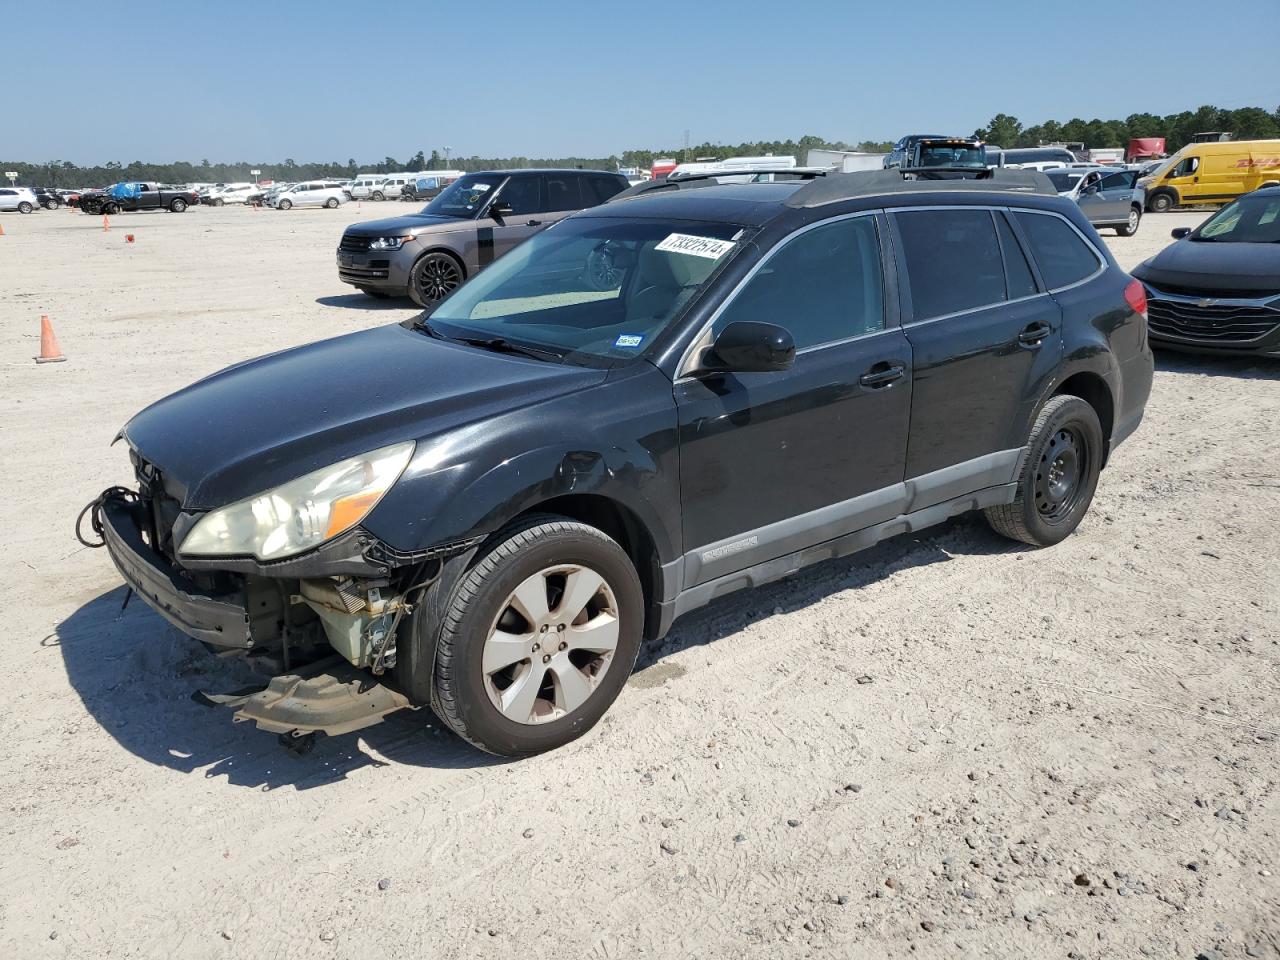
[1246, 123]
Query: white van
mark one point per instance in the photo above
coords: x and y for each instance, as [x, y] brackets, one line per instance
[363, 186]
[391, 185]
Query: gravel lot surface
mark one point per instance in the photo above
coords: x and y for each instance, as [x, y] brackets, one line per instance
[946, 746]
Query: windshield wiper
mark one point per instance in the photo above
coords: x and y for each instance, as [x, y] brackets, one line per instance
[506, 346]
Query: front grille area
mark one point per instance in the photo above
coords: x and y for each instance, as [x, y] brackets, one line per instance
[1224, 321]
[351, 244]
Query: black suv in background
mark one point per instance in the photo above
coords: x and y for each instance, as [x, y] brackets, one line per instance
[472, 221]
[690, 390]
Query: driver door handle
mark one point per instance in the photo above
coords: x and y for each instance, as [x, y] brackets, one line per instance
[1033, 335]
[882, 374]
[534, 223]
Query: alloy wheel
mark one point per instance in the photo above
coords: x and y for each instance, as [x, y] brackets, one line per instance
[551, 644]
[438, 276]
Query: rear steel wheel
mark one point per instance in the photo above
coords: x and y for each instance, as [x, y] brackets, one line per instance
[1059, 474]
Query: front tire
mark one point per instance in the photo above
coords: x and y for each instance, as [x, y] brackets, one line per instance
[1059, 475]
[376, 195]
[284, 204]
[1130, 228]
[1160, 203]
[537, 638]
[219, 202]
[433, 278]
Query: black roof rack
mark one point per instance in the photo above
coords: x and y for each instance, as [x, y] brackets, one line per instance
[710, 178]
[868, 183]
[828, 187]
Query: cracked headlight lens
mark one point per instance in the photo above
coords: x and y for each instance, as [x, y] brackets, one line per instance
[302, 513]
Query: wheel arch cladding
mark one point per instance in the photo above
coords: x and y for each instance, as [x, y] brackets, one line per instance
[1093, 390]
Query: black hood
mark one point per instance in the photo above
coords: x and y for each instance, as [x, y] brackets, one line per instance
[393, 226]
[1250, 269]
[260, 423]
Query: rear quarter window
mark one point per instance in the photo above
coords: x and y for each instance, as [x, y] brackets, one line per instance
[1062, 255]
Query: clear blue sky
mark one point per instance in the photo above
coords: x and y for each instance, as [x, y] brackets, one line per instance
[325, 81]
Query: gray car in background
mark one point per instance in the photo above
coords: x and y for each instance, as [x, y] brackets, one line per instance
[1109, 198]
[473, 221]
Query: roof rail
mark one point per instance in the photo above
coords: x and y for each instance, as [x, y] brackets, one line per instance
[710, 178]
[868, 183]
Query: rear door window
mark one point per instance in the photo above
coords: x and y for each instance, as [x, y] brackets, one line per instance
[1060, 252]
[953, 260]
[564, 191]
[598, 189]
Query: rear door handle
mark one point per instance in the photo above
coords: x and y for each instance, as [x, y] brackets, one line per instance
[1034, 334]
[882, 374]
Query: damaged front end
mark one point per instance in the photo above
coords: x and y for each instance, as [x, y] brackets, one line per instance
[322, 625]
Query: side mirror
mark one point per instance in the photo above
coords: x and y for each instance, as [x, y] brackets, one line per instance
[498, 209]
[1179, 232]
[747, 346]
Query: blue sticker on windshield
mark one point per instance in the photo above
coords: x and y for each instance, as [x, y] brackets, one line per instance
[629, 341]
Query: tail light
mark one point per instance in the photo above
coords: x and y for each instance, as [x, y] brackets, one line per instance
[1135, 294]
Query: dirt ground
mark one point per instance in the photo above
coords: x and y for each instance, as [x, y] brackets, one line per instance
[947, 746]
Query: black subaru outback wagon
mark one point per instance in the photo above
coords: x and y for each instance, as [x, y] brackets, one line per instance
[694, 388]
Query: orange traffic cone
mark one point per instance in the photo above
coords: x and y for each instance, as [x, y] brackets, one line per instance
[106, 224]
[1, 230]
[50, 352]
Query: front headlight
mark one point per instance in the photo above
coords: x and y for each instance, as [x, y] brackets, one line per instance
[389, 243]
[302, 513]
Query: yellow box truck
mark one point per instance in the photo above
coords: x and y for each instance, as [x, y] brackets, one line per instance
[1212, 173]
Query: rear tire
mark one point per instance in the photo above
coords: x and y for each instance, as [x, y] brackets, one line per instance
[331, 203]
[577, 660]
[1129, 229]
[178, 205]
[25, 207]
[1059, 475]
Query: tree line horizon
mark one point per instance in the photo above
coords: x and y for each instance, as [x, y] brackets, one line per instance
[1245, 123]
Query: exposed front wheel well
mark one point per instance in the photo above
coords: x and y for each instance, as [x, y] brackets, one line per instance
[623, 526]
[1093, 390]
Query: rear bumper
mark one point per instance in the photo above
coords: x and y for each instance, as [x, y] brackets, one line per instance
[218, 620]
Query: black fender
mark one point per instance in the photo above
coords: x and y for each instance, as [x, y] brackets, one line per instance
[466, 483]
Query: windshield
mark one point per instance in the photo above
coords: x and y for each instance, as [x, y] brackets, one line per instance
[1251, 219]
[938, 155]
[591, 286]
[466, 197]
[1062, 180]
